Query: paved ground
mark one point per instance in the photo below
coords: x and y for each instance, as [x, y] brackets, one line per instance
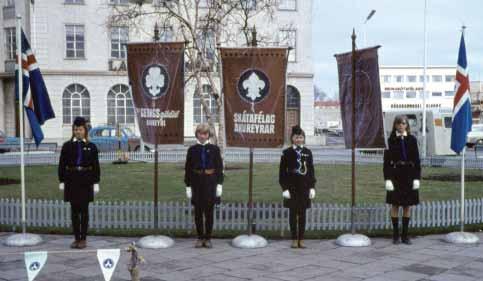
[429, 258]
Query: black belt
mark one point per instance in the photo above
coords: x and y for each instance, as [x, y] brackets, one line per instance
[402, 164]
[79, 168]
[204, 171]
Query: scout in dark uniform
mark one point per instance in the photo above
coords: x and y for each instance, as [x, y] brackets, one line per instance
[297, 180]
[79, 176]
[203, 179]
[402, 172]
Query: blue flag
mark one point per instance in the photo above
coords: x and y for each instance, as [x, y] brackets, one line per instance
[462, 102]
[36, 98]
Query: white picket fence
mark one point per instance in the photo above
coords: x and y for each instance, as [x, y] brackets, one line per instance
[233, 216]
[240, 156]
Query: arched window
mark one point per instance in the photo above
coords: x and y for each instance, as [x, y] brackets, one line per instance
[75, 102]
[293, 98]
[120, 109]
[199, 115]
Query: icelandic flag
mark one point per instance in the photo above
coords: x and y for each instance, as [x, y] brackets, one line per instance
[462, 103]
[36, 98]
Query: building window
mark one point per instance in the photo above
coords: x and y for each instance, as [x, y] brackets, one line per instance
[119, 2]
[10, 43]
[436, 94]
[205, 3]
[287, 5]
[166, 33]
[119, 39]
[9, 3]
[293, 98]
[449, 94]
[206, 42]
[288, 38]
[249, 4]
[411, 78]
[386, 95]
[398, 95]
[421, 78]
[437, 78]
[120, 108]
[449, 78]
[75, 102]
[199, 115]
[410, 95]
[399, 78]
[386, 78]
[74, 2]
[75, 41]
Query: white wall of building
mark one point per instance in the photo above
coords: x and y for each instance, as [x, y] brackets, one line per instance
[46, 26]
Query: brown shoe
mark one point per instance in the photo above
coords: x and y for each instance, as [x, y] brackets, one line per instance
[208, 244]
[82, 244]
[301, 244]
[295, 244]
[199, 243]
[75, 244]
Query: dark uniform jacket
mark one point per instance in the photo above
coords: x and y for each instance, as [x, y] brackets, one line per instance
[78, 182]
[402, 166]
[203, 172]
[297, 175]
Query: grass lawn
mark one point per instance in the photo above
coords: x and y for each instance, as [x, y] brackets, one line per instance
[134, 181]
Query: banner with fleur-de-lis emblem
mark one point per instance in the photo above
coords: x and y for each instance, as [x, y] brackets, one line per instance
[254, 86]
[156, 77]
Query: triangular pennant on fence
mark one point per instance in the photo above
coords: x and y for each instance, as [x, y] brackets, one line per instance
[34, 261]
[108, 259]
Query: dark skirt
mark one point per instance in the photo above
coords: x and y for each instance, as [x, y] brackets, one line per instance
[299, 198]
[403, 194]
[203, 190]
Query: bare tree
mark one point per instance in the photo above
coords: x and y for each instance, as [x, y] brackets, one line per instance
[205, 25]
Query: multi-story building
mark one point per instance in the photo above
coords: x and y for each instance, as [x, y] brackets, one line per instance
[402, 87]
[83, 61]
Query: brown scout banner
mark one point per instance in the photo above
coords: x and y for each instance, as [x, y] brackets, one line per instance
[254, 96]
[156, 76]
[369, 128]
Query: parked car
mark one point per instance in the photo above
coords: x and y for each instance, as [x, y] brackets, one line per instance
[106, 139]
[7, 143]
[476, 134]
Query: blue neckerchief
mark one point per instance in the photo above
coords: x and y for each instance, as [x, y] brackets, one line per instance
[79, 154]
[404, 154]
[203, 157]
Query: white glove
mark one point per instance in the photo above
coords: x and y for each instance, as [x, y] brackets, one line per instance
[96, 188]
[286, 194]
[416, 184]
[61, 186]
[188, 192]
[389, 186]
[312, 193]
[219, 190]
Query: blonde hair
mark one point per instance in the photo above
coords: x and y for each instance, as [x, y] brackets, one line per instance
[203, 128]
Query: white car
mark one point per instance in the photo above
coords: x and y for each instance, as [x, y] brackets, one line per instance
[476, 134]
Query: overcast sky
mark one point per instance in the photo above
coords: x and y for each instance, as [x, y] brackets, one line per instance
[397, 26]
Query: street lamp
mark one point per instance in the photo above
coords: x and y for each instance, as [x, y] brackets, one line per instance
[365, 26]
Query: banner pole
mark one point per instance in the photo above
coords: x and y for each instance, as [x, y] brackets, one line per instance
[250, 193]
[353, 152]
[156, 218]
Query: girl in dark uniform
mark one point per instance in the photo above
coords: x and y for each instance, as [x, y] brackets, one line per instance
[79, 176]
[297, 179]
[203, 179]
[402, 172]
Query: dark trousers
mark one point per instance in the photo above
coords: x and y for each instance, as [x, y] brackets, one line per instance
[297, 228]
[204, 230]
[80, 219]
